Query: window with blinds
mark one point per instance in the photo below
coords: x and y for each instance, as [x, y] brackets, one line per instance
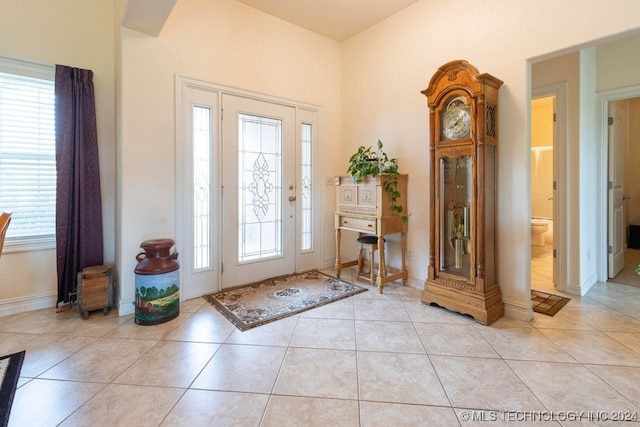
[27, 153]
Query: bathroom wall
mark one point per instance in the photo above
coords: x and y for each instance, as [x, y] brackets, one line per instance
[632, 172]
[542, 157]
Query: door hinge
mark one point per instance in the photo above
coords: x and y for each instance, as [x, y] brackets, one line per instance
[222, 267]
[555, 253]
[554, 117]
[221, 113]
[610, 185]
[554, 185]
[610, 121]
[610, 249]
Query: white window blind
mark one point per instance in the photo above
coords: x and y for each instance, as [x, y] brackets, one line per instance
[27, 151]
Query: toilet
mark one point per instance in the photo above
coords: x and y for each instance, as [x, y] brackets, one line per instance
[538, 228]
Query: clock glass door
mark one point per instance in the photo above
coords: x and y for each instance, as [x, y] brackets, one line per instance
[455, 206]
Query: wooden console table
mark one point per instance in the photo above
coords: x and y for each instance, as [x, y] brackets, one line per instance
[365, 207]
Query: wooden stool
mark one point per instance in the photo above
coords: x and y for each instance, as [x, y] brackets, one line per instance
[372, 242]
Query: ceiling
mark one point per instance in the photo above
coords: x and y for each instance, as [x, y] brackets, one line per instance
[335, 19]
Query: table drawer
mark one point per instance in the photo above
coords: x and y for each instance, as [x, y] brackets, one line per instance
[359, 224]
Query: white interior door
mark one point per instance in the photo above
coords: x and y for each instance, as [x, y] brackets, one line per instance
[259, 190]
[615, 194]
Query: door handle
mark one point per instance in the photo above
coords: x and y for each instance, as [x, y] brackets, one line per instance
[292, 198]
[626, 197]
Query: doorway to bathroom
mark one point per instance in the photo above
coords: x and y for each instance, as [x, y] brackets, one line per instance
[543, 183]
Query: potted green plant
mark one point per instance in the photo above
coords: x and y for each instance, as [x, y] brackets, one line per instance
[367, 162]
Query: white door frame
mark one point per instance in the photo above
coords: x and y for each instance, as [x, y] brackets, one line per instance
[304, 261]
[603, 99]
[560, 172]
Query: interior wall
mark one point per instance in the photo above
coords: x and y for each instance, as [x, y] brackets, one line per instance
[632, 172]
[78, 34]
[227, 43]
[385, 67]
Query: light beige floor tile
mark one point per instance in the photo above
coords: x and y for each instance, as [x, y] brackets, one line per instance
[169, 364]
[606, 321]
[505, 322]
[148, 332]
[390, 292]
[524, 344]
[389, 356]
[192, 305]
[453, 340]
[388, 337]
[483, 384]
[49, 402]
[34, 322]
[318, 373]
[410, 293]
[622, 378]
[631, 340]
[276, 333]
[96, 325]
[325, 333]
[47, 351]
[242, 368]
[564, 319]
[379, 414]
[399, 378]
[12, 343]
[419, 312]
[593, 347]
[290, 411]
[342, 309]
[126, 405]
[203, 326]
[101, 361]
[384, 310]
[569, 387]
[217, 408]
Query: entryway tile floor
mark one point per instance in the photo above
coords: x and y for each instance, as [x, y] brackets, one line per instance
[369, 360]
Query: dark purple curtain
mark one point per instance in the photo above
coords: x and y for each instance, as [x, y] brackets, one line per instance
[78, 207]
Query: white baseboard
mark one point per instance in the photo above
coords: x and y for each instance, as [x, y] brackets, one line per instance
[518, 311]
[585, 286]
[31, 303]
[126, 307]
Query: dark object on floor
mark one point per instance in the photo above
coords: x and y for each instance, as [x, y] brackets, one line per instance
[633, 234]
[10, 366]
[546, 303]
[272, 299]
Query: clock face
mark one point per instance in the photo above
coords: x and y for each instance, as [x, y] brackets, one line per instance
[456, 123]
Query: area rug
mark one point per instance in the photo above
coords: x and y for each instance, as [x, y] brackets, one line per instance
[548, 304]
[10, 366]
[263, 302]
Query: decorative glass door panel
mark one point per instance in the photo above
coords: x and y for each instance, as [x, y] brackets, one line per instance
[260, 187]
[455, 206]
[201, 184]
[306, 181]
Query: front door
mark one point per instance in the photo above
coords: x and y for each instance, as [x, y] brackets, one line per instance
[259, 190]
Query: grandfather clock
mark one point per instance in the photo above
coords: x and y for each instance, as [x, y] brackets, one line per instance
[463, 115]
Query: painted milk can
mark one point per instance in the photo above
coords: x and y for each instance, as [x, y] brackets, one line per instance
[157, 283]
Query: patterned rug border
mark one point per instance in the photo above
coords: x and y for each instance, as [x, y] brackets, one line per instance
[545, 307]
[244, 326]
[9, 383]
